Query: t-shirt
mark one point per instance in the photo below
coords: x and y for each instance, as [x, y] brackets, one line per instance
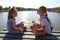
[10, 29]
[47, 24]
[8, 25]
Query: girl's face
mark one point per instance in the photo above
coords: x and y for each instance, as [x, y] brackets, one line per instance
[14, 14]
[40, 12]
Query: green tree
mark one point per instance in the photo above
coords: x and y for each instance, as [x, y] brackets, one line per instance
[0, 7]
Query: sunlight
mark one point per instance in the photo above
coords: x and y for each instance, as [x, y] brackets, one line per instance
[30, 3]
[24, 16]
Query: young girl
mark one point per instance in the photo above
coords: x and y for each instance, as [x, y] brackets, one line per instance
[11, 23]
[45, 23]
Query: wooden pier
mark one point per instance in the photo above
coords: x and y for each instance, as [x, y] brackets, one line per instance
[4, 35]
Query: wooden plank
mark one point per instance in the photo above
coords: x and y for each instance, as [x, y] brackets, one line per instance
[15, 36]
[14, 39]
[37, 38]
[4, 32]
[2, 35]
[28, 35]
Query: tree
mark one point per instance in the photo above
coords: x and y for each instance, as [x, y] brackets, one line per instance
[0, 7]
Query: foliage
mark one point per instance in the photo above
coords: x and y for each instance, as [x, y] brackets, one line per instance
[56, 9]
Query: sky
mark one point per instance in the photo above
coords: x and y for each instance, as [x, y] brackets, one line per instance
[30, 3]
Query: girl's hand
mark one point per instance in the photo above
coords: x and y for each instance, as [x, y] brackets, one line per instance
[21, 22]
[40, 29]
[33, 21]
[21, 29]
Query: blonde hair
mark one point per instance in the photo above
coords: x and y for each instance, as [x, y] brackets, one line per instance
[10, 12]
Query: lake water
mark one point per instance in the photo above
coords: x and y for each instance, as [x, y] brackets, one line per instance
[28, 16]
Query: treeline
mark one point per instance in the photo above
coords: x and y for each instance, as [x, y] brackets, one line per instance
[18, 9]
[4, 9]
[56, 9]
[25, 9]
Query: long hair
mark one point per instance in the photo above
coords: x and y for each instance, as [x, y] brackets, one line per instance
[47, 17]
[10, 12]
[45, 13]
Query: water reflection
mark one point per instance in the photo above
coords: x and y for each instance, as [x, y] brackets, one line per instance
[28, 16]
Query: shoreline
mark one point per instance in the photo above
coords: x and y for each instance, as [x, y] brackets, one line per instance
[25, 10]
[17, 10]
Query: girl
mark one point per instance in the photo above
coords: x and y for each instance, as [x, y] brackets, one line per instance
[45, 23]
[44, 20]
[11, 23]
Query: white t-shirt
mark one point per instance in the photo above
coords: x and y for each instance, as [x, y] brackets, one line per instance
[47, 25]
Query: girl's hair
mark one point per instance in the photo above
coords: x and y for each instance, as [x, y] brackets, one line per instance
[43, 8]
[47, 17]
[10, 12]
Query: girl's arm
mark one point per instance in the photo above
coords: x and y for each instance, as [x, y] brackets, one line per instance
[38, 26]
[20, 23]
[41, 27]
[13, 26]
[43, 24]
